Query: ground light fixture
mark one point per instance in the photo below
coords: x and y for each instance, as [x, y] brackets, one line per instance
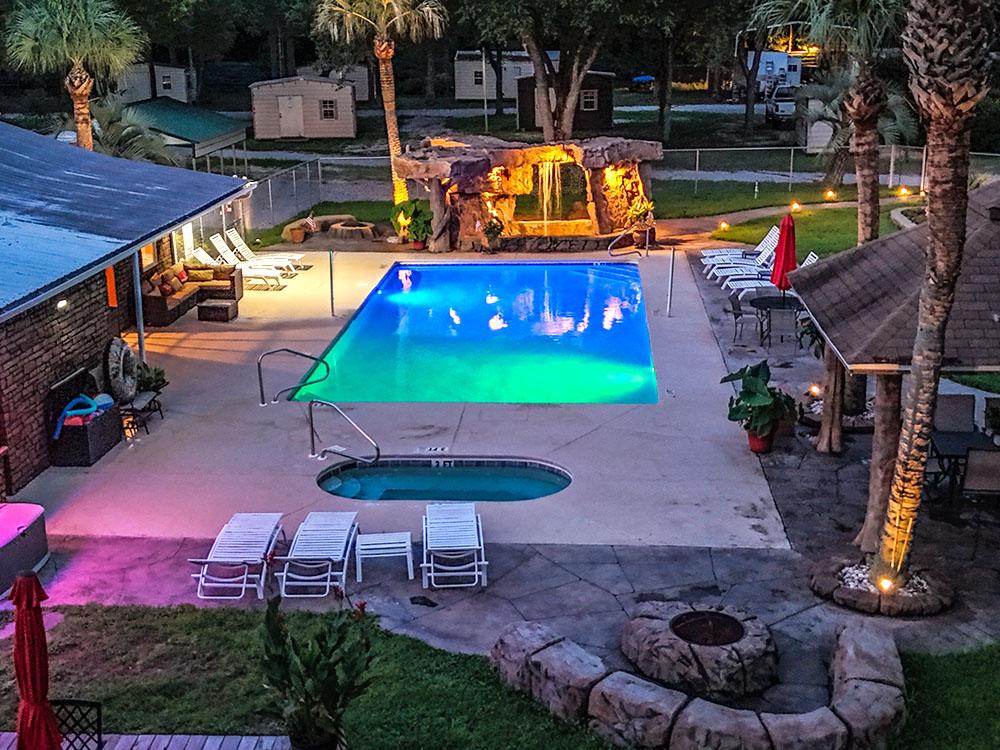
[815, 390]
[903, 191]
[885, 583]
[723, 225]
[796, 206]
[830, 194]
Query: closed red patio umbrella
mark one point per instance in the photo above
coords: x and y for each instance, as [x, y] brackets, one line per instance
[36, 723]
[784, 255]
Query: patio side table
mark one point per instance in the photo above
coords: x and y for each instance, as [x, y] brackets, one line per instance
[390, 544]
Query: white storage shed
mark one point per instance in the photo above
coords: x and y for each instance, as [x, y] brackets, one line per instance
[304, 106]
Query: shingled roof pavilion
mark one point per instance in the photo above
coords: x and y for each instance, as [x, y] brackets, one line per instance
[864, 301]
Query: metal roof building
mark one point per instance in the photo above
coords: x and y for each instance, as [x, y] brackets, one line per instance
[200, 131]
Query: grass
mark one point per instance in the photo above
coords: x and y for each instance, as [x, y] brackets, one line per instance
[371, 131]
[985, 381]
[376, 212]
[824, 232]
[954, 701]
[196, 671]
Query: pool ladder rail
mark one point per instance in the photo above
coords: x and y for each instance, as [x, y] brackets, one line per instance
[313, 435]
[631, 250]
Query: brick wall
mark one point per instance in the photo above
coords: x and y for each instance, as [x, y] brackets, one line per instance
[40, 347]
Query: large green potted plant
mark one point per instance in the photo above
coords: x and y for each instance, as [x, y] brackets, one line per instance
[412, 222]
[758, 407]
[314, 677]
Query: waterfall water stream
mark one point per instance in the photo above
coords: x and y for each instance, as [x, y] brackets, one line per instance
[549, 190]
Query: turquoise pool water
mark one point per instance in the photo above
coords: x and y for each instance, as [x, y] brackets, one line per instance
[548, 333]
[458, 480]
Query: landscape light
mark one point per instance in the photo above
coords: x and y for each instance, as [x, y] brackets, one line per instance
[815, 390]
[885, 584]
[830, 194]
[796, 206]
[903, 191]
[723, 225]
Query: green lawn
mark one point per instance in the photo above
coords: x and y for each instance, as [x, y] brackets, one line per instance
[985, 381]
[371, 130]
[954, 701]
[824, 232]
[196, 671]
[376, 212]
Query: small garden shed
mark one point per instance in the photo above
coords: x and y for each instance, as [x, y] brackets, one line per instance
[303, 106]
[594, 108]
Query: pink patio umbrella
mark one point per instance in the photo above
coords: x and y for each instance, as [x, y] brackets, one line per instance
[36, 723]
[784, 255]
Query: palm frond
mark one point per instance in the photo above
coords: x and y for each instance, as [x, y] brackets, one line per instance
[356, 20]
[50, 36]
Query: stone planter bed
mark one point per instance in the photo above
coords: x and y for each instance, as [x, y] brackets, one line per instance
[867, 707]
[833, 579]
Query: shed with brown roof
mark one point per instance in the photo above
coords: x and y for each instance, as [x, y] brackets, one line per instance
[864, 301]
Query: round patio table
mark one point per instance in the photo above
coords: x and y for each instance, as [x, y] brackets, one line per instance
[766, 305]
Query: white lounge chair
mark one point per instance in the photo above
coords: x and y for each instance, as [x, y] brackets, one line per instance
[246, 252]
[238, 560]
[226, 253]
[762, 262]
[453, 546]
[318, 558]
[267, 274]
[201, 255]
[722, 254]
[744, 285]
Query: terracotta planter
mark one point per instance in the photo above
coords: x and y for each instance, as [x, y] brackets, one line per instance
[639, 238]
[760, 443]
[297, 234]
[418, 244]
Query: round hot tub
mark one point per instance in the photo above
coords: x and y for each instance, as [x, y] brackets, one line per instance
[458, 479]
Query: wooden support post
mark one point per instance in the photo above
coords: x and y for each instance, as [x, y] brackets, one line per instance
[440, 238]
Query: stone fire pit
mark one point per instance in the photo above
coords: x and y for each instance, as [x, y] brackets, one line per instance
[715, 652]
[352, 230]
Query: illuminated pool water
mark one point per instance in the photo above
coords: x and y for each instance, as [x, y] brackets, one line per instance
[543, 333]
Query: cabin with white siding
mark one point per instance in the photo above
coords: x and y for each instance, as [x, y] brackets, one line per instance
[472, 83]
[304, 106]
[172, 82]
[357, 76]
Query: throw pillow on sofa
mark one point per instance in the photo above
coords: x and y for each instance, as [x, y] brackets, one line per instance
[165, 289]
[154, 291]
[201, 274]
[182, 275]
[176, 283]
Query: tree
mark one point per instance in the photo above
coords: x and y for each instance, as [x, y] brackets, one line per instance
[750, 44]
[384, 22]
[580, 28]
[897, 124]
[83, 38]
[161, 22]
[494, 26]
[947, 50]
[121, 132]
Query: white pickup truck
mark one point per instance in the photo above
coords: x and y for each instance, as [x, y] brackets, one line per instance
[780, 106]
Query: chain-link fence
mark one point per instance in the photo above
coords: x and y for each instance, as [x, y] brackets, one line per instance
[289, 192]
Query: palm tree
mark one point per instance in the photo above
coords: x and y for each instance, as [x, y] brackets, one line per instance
[897, 123]
[384, 22]
[83, 38]
[120, 131]
[947, 50]
[860, 29]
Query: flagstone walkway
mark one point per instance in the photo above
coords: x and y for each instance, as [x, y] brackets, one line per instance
[8, 741]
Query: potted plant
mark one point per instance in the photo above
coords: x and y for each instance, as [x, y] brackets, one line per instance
[406, 215]
[420, 227]
[640, 216]
[314, 677]
[758, 407]
[492, 231]
[150, 378]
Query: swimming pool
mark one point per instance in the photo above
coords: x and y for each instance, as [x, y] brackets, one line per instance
[549, 333]
[450, 480]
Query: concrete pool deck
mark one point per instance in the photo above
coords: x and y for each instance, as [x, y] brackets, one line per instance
[673, 473]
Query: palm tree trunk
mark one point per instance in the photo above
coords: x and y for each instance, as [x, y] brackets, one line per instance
[865, 152]
[885, 442]
[947, 177]
[384, 51]
[79, 84]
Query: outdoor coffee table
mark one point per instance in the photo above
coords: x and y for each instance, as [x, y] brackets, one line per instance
[391, 544]
[766, 305]
[221, 310]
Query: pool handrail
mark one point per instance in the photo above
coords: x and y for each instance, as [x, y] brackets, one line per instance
[322, 454]
[633, 250]
[285, 350]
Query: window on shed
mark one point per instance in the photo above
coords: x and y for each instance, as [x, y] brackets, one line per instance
[477, 78]
[588, 100]
[166, 83]
[328, 109]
